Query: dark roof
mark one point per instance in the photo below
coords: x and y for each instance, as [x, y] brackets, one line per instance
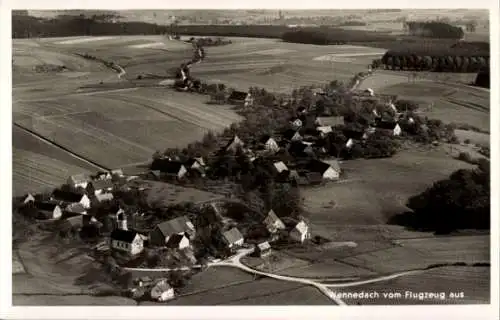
[353, 134]
[265, 138]
[67, 196]
[123, 235]
[174, 240]
[238, 95]
[175, 226]
[389, 125]
[298, 148]
[313, 177]
[288, 134]
[331, 121]
[102, 184]
[45, 205]
[317, 166]
[166, 165]
[232, 235]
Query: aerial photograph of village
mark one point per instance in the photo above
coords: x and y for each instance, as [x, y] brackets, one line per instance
[250, 157]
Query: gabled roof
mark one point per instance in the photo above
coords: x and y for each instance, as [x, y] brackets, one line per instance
[76, 208]
[330, 121]
[289, 134]
[301, 227]
[79, 178]
[46, 205]
[317, 166]
[354, 134]
[238, 95]
[280, 166]
[264, 246]
[272, 219]
[387, 125]
[298, 148]
[191, 161]
[324, 129]
[75, 221]
[123, 235]
[178, 225]
[265, 138]
[175, 239]
[67, 196]
[234, 143]
[232, 235]
[104, 197]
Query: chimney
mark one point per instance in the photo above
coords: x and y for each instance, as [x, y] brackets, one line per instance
[122, 221]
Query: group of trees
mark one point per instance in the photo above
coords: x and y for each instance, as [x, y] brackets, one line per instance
[328, 36]
[460, 202]
[443, 61]
[434, 29]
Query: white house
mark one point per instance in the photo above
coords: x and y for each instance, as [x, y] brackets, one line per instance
[233, 238]
[328, 171]
[393, 127]
[324, 130]
[71, 197]
[280, 167]
[349, 143]
[162, 233]
[101, 197]
[178, 241]
[101, 186]
[49, 210]
[270, 144]
[300, 232]
[126, 241]
[78, 180]
[29, 199]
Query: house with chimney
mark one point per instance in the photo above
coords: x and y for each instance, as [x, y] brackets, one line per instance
[69, 197]
[78, 180]
[162, 233]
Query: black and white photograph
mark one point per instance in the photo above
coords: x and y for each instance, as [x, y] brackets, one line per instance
[250, 157]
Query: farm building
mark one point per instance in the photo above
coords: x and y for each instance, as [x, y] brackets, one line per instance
[389, 126]
[349, 143]
[117, 173]
[300, 232]
[279, 167]
[239, 97]
[102, 197]
[48, 210]
[77, 208]
[102, 175]
[295, 123]
[126, 241]
[28, 199]
[292, 135]
[269, 143]
[171, 168]
[327, 171]
[262, 249]
[329, 121]
[162, 291]
[74, 223]
[232, 238]
[178, 241]
[196, 165]
[355, 134]
[273, 223]
[78, 180]
[178, 226]
[234, 144]
[300, 149]
[324, 130]
[71, 197]
[100, 186]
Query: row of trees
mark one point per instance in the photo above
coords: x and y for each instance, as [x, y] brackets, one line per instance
[438, 63]
[328, 36]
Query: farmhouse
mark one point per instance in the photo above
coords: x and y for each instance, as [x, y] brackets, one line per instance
[240, 97]
[262, 249]
[78, 180]
[324, 130]
[174, 169]
[100, 186]
[300, 149]
[300, 232]
[234, 144]
[178, 241]
[295, 123]
[390, 127]
[162, 291]
[273, 223]
[196, 166]
[178, 226]
[232, 238]
[71, 197]
[292, 135]
[126, 241]
[102, 197]
[74, 223]
[327, 171]
[28, 199]
[269, 143]
[77, 208]
[349, 143]
[355, 134]
[329, 121]
[48, 210]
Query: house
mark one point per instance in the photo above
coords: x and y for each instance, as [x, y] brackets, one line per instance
[262, 249]
[292, 135]
[162, 291]
[269, 143]
[324, 130]
[77, 208]
[178, 241]
[234, 144]
[273, 223]
[370, 92]
[100, 186]
[279, 167]
[238, 97]
[301, 149]
[71, 197]
[389, 126]
[126, 241]
[48, 210]
[295, 123]
[233, 238]
[102, 197]
[174, 169]
[78, 180]
[329, 121]
[29, 199]
[161, 234]
[300, 232]
[327, 171]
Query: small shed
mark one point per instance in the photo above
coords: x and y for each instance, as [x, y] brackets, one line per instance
[262, 249]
